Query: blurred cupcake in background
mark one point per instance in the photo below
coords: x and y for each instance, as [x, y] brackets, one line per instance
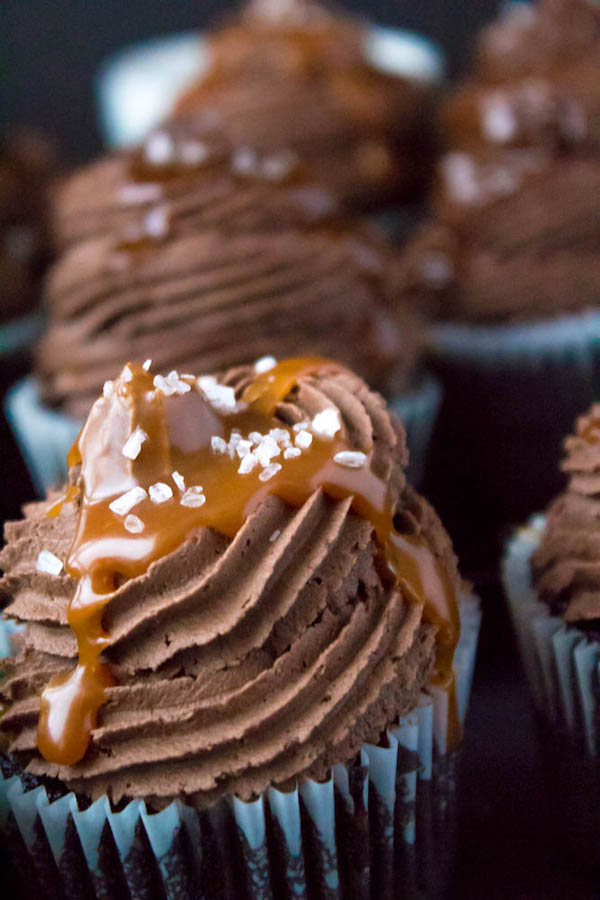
[552, 579]
[192, 250]
[274, 664]
[353, 101]
[510, 266]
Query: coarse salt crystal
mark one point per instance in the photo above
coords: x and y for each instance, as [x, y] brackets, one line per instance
[156, 223]
[133, 444]
[123, 504]
[264, 364]
[158, 149]
[245, 161]
[267, 450]
[247, 464]
[351, 459]
[133, 194]
[281, 436]
[126, 374]
[193, 496]
[179, 480]
[220, 396]
[146, 365]
[218, 444]
[268, 473]
[255, 436]
[303, 440]
[160, 492]
[107, 388]
[243, 448]
[163, 385]
[326, 423]
[48, 562]
[292, 452]
[133, 524]
[300, 426]
[192, 153]
[275, 535]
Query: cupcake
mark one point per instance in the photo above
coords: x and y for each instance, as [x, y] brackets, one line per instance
[243, 646]
[353, 101]
[509, 267]
[551, 580]
[195, 253]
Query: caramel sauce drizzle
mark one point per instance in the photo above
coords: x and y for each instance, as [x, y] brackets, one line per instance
[179, 429]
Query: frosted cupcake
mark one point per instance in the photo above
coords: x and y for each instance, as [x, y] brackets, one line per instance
[264, 619]
[552, 582]
[196, 252]
[510, 266]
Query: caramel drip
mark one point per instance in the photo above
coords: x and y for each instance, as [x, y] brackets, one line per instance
[179, 429]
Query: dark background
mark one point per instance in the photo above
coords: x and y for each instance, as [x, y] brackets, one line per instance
[50, 49]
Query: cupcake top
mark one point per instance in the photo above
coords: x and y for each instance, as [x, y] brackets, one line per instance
[26, 164]
[517, 229]
[249, 585]
[566, 566]
[210, 263]
[291, 75]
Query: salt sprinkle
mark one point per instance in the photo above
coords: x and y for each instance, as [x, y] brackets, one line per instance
[303, 440]
[268, 473]
[218, 444]
[281, 436]
[275, 535]
[244, 161]
[179, 479]
[300, 426]
[351, 459]
[146, 365]
[170, 385]
[156, 223]
[326, 423]
[133, 524]
[243, 448]
[48, 562]
[292, 452]
[192, 153]
[107, 388]
[255, 436]
[248, 463]
[159, 148]
[220, 396]
[126, 374]
[132, 194]
[193, 496]
[133, 444]
[264, 364]
[267, 450]
[123, 504]
[160, 492]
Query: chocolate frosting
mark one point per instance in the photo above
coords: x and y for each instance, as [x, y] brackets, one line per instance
[517, 230]
[566, 566]
[293, 76]
[245, 662]
[26, 164]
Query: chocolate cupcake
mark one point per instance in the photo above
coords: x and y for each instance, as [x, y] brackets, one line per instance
[510, 266]
[195, 253]
[353, 101]
[264, 617]
[551, 579]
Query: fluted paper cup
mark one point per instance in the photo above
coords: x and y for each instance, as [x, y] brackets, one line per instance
[381, 826]
[562, 668]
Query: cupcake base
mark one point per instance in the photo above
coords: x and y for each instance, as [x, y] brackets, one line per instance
[383, 826]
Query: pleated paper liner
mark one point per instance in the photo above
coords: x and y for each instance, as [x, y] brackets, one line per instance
[382, 826]
[45, 435]
[562, 668]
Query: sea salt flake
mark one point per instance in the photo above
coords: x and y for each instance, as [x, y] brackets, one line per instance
[243, 448]
[146, 365]
[160, 492]
[133, 444]
[193, 153]
[271, 470]
[193, 497]
[126, 374]
[350, 459]
[300, 426]
[123, 504]
[163, 385]
[133, 524]
[220, 396]
[218, 444]
[247, 464]
[48, 562]
[182, 387]
[158, 149]
[134, 194]
[303, 440]
[275, 535]
[264, 364]
[107, 388]
[292, 452]
[280, 436]
[156, 223]
[179, 479]
[267, 450]
[326, 423]
[255, 436]
[245, 161]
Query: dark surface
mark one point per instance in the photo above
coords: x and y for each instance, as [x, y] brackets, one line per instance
[510, 844]
[49, 51]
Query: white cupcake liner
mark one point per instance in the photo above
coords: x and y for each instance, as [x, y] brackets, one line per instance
[377, 826]
[418, 408]
[562, 665]
[44, 435]
[139, 86]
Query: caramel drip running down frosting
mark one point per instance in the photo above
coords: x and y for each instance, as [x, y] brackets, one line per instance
[160, 458]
